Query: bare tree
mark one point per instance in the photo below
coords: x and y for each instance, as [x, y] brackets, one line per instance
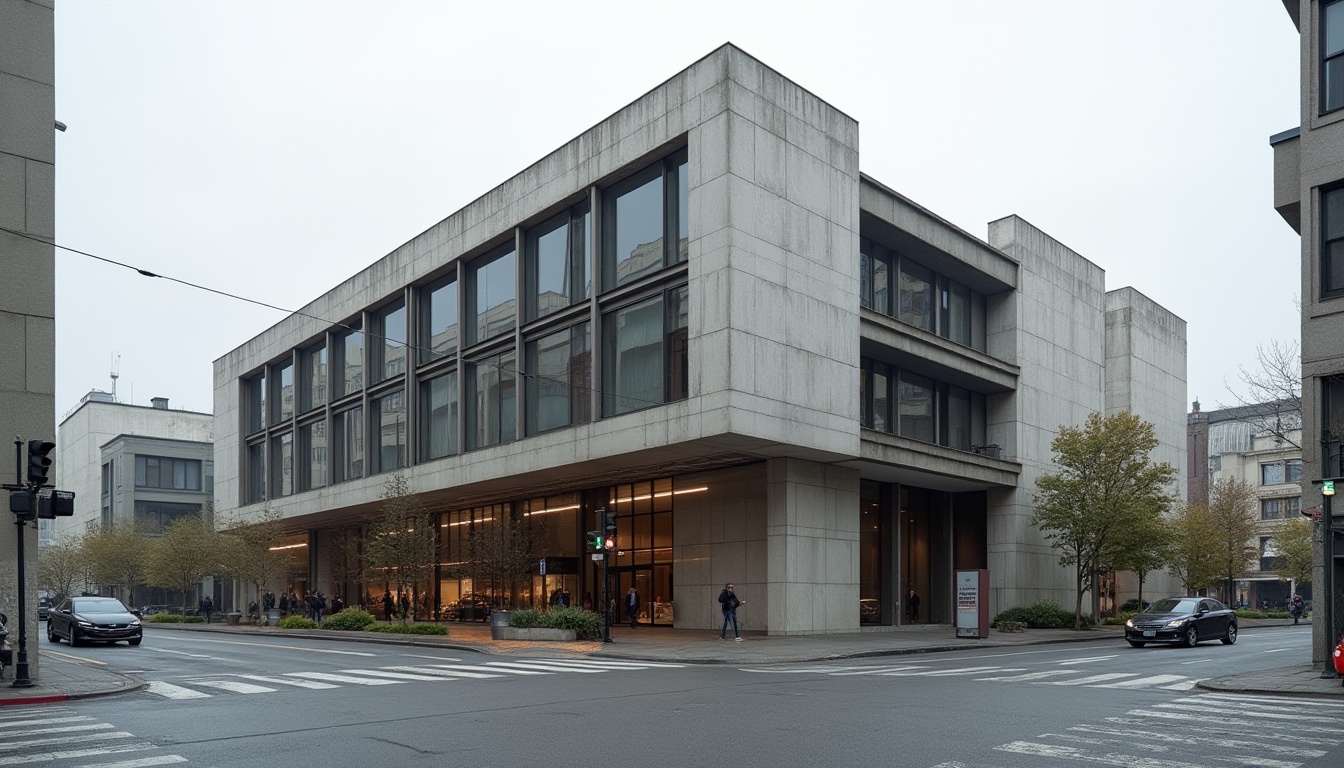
[1273, 399]
[347, 558]
[500, 554]
[187, 552]
[1232, 505]
[402, 544]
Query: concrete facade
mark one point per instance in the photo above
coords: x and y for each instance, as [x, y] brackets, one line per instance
[971, 354]
[82, 449]
[27, 295]
[1308, 167]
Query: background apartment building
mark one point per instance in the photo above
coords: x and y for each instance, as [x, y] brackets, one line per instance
[700, 315]
[1309, 194]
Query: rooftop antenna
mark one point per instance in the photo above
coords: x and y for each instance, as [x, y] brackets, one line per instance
[116, 364]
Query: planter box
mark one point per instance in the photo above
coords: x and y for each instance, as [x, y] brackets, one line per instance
[532, 633]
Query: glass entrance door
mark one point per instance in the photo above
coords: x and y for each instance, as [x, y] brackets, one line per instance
[653, 585]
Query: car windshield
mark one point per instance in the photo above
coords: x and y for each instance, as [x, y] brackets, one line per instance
[100, 605]
[1174, 605]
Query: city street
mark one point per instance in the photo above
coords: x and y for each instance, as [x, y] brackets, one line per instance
[216, 700]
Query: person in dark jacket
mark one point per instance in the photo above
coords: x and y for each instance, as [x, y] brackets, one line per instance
[389, 606]
[1297, 607]
[632, 606]
[729, 601]
[912, 605]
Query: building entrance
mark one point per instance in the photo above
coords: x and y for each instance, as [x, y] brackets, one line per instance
[653, 585]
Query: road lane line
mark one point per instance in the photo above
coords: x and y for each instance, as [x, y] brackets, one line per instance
[182, 653]
[233, 686]
[612, 664]
[310, 684]
[72, 658]
[455, 673]
[45, 721]
[64, 740]
[277, 645]
[65, 729]
[146, 762]
[473, 668]
[1026, 677]
[1093, 679]
[1144, 681]
[432, 658]
[45, 757]
[542, 667]
[876, 670]
[170, 691]
[342, 678]
[1087, 660]
[379, 673]
[944, 672]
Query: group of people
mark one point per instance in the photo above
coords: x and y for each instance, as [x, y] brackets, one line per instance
[314, 604]
[560, 598]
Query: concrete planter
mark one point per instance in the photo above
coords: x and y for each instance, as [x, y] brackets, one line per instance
[533, 633]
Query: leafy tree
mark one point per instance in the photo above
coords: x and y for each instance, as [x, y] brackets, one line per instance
[1143, 548]
[1105, 487]
[402, 543]
[187, 552]
[1232, 512]
[1296, 544]
[61, 567]
[249, 551]
[117, 557]
[1193, 559]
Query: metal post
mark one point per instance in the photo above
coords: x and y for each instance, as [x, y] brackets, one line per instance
[606, 595]
[1328, 614]
[21, 665]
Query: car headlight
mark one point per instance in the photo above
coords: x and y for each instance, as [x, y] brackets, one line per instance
[1175, 623]
[1129, 623]
[135, 622]
[84, 623]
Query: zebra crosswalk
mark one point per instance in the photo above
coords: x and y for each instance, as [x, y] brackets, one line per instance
[245, 684]
[1199, 731]
[55, 736]
[1068, 676]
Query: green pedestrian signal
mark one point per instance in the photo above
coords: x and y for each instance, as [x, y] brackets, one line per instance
[1327, 487]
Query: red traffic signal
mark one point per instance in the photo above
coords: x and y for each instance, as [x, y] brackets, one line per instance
[609, 543]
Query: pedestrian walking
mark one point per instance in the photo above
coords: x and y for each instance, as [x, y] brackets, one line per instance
[632, 606]
[337, 604]
[209, 609]
[729, 601]
[268, 600]
[200, 608]
[912, 605]
[404, 604]
[389, 606]
[1298, 606]
[555, 598]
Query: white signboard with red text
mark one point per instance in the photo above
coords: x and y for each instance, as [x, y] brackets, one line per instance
[973, 603]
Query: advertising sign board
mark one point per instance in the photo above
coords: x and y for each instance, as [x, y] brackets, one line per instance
[973, 603]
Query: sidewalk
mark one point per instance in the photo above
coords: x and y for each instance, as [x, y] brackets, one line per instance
[65, 675]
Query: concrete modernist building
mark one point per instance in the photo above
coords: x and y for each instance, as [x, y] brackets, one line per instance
[700, 315]
[1309, 194]
[28, 292]
[132, 463]
[1235, 443]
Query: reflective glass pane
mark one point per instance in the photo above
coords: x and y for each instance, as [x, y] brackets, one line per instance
[284, 401]
[390, 418]
[548, 389]
[881, 397]
[352, 353]
[633, 359]
[1334, 28]
[441, 322]
[916, 408]
[314, 377]
[1332, 85]
[256, 472]
[916, 297]
[282, 465]
[392, 345]
[683, 212]
[675, 345]
[440, 415]
[552, 268]
[496, 283]
[314, 438]
[637, 240]
[350, 442]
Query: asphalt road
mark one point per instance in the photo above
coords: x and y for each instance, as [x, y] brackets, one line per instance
[238, 701]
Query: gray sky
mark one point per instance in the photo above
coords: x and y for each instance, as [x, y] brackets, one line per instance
[272, 150]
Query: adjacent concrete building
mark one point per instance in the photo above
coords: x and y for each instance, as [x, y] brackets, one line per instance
[1309, 194]
[27, 293]
[700, 315]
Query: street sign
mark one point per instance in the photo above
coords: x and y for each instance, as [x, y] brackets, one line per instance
[543, 567]
[597, 556]
[1313, 512]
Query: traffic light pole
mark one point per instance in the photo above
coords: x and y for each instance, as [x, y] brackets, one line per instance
[1328, 555]
[21, 679]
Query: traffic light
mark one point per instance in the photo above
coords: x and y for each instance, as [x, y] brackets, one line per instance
[595, 540]
[609, 543]
[20, 503]
[38, 461]
[58, 504]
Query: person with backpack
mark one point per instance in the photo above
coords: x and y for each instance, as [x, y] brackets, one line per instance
[729, 601]
[1297, 607]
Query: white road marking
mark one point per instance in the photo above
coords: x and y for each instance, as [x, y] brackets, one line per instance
[1119, 760]
[1258, 700]
[1264, 712]
[1241, 745]
[75, 753]
[233, 686]
[1182, 686]
[394, 676]
[612, 664]
[30, 720]
[1087, 660]
[473, 668]
[182, 653]
[1092, 680]
[310, 684]
[916, 672]
[1028, 676]
[146, 762]
[541, 667]
[65, 740]
[453, 673]
[170, 691]
[435, 658]
[878, 670]
[276, 645]
[72, 658]
[342, 678]
[64, 729]
[1144, 681]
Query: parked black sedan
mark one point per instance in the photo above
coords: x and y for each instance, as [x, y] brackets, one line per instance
[1185, 620]
[78, 619]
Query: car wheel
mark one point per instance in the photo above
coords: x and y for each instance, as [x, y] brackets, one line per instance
[74, 637]
[134, 641]
[1231, 636]
[1135, 643]
[52, 637]
[1191, 636]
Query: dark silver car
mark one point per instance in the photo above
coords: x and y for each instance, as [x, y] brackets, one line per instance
[78, 619]
[1185, 620]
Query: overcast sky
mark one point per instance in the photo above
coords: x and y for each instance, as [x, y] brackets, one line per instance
[272, 150]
